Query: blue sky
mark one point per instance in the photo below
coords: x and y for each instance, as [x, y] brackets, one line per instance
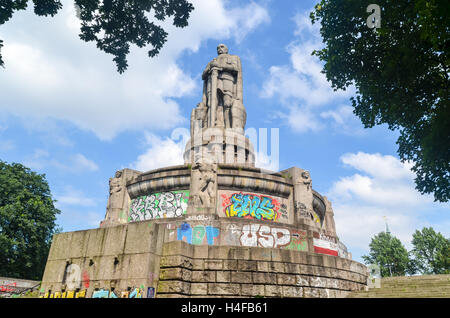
[66, 112]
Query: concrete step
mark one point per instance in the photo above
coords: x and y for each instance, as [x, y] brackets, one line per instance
[411, 286]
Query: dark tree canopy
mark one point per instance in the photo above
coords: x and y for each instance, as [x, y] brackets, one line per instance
[401, 75]
[113, 24]
[27, 221]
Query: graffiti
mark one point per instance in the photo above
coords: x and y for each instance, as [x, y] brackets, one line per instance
[159, 205]
[325, 247]
[136, 293]
[256, 235]
[197, 234]
[102, 293]
[342, 250]
[326, 237]
[150, 292]
[264, 236]
[73, 276]
[298, 242]
[81, 294]
[8, 288]
[284, 211]
[85, 279]
[251, 206]
[200, 217]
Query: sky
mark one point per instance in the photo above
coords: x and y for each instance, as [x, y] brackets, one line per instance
[67, 113]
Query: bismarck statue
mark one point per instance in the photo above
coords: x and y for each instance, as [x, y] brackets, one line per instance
[215, 226]
[218, 121]
[222, 91]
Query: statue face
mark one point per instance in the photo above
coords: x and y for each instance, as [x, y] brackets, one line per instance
[222, 49]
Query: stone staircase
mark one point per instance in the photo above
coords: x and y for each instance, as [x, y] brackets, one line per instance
[426, 286]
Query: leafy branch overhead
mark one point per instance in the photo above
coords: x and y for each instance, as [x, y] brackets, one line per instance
[114, 24]
[401, 74]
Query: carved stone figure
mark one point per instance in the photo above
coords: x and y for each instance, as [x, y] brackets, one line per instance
[306, 179]
[203, 185]
[118, 201]
[115, 187]
[222, 92]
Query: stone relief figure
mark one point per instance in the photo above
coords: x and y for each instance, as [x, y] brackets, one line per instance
[204, 183]
[306, 179]
[222, 93]
[115, 187]
[117, 206]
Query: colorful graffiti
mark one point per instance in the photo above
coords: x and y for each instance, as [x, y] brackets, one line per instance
[248, 205]
[299, 241]
[325, 247]
[101, 293]
[325, 244]
[197, 235]
[257, 235]
[159, 205]
[65, 294]
[151, 292]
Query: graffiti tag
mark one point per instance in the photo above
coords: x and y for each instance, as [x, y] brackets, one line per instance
[197, 234]
[159, 205]
[251, 206]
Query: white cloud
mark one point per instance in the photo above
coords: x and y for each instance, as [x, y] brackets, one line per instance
[53, 74]
[72, 197]
[301, 86]
[80, 162]
[42, 160]
[162, 152]
[340, 115]
[384, 187]
[379, 166]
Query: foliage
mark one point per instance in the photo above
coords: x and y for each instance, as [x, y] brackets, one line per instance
[431, 252]
[389, 253]
[27, 221]
[113, 24]
[401, 75]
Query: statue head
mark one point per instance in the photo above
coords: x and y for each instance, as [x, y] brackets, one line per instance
[222, 49]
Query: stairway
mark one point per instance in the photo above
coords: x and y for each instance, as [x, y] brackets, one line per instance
[426, 286]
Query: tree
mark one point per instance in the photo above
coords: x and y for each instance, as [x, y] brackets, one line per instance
[389, 253]
[429, 251]
[27, 221]
[443, 260]
[113, 24]
[401, 75]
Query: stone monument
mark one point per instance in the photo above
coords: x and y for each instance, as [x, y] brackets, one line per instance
[216, 226]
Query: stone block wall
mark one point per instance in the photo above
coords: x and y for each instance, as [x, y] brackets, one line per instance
[225, 271]
[140, 256]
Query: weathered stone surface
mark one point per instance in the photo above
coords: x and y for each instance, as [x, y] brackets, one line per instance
[208, 243]
[223, 277]
[241, 277]
[265, 278]
[224, 289]
[203, 276]
[252, 290]
[291, 291]
[273, 291]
